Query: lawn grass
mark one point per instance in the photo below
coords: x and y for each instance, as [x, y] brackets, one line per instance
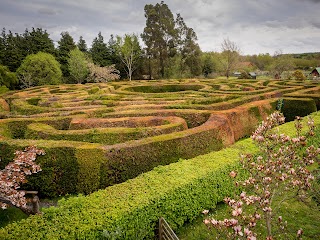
[297, 214]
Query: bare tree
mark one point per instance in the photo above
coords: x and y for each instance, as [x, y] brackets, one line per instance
[229, 56]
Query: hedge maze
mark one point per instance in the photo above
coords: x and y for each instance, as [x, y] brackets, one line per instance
[97, 135]
[101, 134]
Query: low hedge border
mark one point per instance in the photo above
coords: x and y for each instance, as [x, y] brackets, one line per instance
[108, 136]
[178, 192]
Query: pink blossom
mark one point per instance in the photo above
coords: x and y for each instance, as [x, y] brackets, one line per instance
[205, 212]
[233, 174]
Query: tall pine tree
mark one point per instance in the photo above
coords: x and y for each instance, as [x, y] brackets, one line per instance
[82, 45]
[100, 52]
[66, 44]
[37, 41]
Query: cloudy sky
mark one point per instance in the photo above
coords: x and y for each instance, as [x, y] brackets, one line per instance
[257, 26]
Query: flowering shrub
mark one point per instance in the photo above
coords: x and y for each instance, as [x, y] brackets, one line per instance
[14, 174]
[279, 173]
[103, 74]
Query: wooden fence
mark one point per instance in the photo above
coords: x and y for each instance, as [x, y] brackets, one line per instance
[165, 231]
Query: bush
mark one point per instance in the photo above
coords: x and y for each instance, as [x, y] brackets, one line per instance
[293, 107]
[178, 192]
[39, 69]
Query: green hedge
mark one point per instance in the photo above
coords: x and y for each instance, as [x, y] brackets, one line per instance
[178, 192]
[120, 162]
[66, 168]
[99, 135]
[293, 107]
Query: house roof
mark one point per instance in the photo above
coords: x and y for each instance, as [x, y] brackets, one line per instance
[316, 69]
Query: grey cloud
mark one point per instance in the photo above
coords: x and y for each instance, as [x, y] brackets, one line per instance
[47, 11]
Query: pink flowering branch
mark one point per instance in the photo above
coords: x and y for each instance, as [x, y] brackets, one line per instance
[279, 172]
[14, 174]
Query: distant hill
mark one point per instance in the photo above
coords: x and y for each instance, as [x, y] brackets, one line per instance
[312, 55]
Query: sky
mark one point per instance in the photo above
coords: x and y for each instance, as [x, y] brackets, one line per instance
[256, 26]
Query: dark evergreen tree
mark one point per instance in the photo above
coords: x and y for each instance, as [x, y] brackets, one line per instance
[100, 52]
[82, 45]
[189, 50]
[114, 58]
[66, 44]
[13, 54]
[2, 45]
[37, 41]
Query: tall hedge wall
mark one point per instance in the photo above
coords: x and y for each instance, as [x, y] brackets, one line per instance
[130, 210]
[117, 163]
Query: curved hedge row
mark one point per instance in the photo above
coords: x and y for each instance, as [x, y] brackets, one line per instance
[130, 210]
[121, 134]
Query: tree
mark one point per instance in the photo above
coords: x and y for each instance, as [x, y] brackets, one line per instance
[102, 74]
[281, 64]
[99, 52]
[82, 45]
[7, 78]
[2, 45]
[78, 65]
[66, 44]
[14, 174]
[188, 49]
[229, 56]
[159, 35]
[129, 51]
[13, 54]
[262, 61]
[279, 172]
[39, 69]
[37, 41]
[298, 75]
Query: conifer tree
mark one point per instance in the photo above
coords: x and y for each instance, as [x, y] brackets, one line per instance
[66, 44]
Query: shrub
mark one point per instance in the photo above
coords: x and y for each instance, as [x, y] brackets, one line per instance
[293, 107]
[39, 69]
[130, 210]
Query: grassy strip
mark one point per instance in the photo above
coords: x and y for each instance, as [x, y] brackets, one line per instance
[130, 210]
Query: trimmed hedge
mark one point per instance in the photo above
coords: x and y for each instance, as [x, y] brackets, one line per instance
[108, 136]
[178, 192]
[67, 168]
[293, 107]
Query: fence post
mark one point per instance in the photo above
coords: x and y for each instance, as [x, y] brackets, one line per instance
[165, 231]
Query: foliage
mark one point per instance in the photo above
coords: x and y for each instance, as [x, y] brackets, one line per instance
[293, 107]
[262, 61]
[78, 65]
[279, 172]
[39, 69]
[99, 52]
[7, 78]
[298, 75]
[82, 45]
[281, 64]
[65, 45]
[229, 57]
[131, 210]
[15, 47]
[189, 51]
[129, 51]
[14, 174]
[159, 35]
[102, 74]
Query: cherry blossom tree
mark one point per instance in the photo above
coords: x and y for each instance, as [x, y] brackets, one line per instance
[277, 174]
[103, 74]
[14, 174]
